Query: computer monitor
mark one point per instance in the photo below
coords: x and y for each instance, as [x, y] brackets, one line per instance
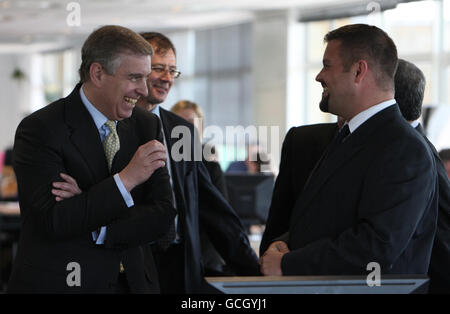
[250, 196]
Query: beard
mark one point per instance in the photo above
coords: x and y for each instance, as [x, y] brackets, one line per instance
[324, 107]
[153, 100]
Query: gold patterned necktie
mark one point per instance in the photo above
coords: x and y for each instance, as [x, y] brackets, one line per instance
[111, 146]
[111, 143]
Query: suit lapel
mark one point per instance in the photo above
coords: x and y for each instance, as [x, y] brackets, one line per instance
[168, 125]
[349, 149]
[343, 154]
[84, 135]
[176, 167]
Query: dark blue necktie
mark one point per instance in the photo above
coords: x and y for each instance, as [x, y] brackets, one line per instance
[338, 139]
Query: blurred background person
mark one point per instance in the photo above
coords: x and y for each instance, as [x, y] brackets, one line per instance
[8, 181]
[9, 216]
[256, 161]
[193, 113]
[198, 202]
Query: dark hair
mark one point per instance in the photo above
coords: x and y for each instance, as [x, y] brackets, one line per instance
[445, 154]
[160, 43]
[106, 45]
[409, 89]
[361, 41]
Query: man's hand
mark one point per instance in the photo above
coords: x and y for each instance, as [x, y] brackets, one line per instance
[66, 189]
[271, 260]
[146, 160]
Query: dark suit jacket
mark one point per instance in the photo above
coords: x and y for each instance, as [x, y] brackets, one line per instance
[200, 203]
[439, 271]
[212, 261]
[302, 148]
[62, 137]
[373, 200]
[217, 176]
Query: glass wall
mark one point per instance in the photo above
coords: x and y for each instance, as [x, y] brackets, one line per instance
[59, 73]
[216, 66]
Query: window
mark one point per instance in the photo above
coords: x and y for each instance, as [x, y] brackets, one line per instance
[59, 71]
[216, 74]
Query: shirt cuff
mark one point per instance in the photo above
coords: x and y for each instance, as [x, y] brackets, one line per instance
[99, 237]
[126, 196]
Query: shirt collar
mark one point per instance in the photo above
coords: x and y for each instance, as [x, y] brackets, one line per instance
[414, 123]
[99, 118]
[365, 115]
[156, 111]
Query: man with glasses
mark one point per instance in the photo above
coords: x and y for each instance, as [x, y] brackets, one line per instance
[198, 202]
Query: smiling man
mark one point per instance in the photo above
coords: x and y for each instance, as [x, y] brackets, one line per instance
[93, 186]
[373, 195]
[199, 204]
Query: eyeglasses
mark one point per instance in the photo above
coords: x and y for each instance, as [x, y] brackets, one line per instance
[161, 69]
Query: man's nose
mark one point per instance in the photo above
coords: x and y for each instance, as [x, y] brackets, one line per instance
[318, 76]
[166, 76]
[142, 88]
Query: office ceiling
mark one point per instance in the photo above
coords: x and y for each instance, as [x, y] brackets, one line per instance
[49, 24]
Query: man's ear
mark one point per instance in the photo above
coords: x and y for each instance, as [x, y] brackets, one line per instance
[96, 74]
[359, 69]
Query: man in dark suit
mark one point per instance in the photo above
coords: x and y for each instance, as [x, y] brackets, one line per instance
[302, 148]
[87, 232]
[409, 91]
[373, 195]
[197, 201]
[213, 263]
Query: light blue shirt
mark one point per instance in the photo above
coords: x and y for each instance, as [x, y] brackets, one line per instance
[414, 123]
[100, 120]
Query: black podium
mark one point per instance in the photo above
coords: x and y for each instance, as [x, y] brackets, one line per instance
[389, 284]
